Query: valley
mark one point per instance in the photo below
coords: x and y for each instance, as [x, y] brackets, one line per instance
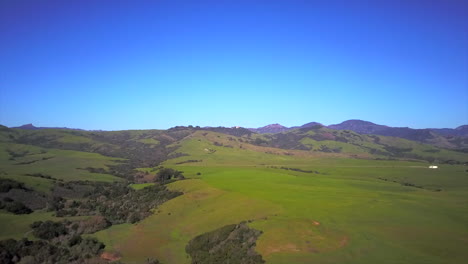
[233, 132]
[308, 195]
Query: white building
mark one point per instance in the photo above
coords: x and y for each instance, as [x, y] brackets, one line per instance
[433, 167]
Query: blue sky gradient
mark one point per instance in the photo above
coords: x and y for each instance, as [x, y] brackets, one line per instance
[156, 64]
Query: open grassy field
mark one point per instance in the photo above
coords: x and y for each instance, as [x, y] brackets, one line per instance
[351, 206]
[67, 165]
[19, 225]
[17, 161]
[340, 210]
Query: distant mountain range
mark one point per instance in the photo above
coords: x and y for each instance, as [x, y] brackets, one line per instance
[285, 137]
[358, 126]
[366, 127]
[277, 128]
[32, 127]
[442, 137]
[459, 131]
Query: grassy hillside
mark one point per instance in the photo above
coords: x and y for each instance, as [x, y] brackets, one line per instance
[19, 225]
[311, 206]
[317, 195]
[39, 167]
[144, 147]
[347, 215]
[321, 139]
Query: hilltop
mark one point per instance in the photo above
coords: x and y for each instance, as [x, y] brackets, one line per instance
[452, 138]
[32, 127]
[273, 128]
[446, 138]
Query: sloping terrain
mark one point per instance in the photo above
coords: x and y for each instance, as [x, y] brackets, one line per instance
[316, 194]
[446, 138]
[451, 138]
[322, 139]
[310, 206]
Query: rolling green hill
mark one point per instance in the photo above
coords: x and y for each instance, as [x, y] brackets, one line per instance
[311, 206]
[312, 195]
[322, 139]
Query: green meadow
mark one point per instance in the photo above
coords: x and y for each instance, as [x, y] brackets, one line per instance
[351, 206]
[18, 226]
[58, 164]
[66, 165]
[344, 211]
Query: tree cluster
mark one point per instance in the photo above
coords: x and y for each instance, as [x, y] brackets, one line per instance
[167, 174]
[7, 184]
[119, 203]
[15, 207]
[231, 244]
[41, 251]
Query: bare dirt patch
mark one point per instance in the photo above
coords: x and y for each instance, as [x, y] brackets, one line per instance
[198, 195]
[111, 256]
[289, 247]
[344, 241]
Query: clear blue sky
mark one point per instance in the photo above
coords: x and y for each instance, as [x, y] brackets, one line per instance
[156, 64]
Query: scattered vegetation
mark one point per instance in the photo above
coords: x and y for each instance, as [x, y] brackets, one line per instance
[165, 175]
[300, 215]
[26, 162]
[41, 175]
[231, 244]
[48, 229]
[14, 206]
[188, 161]
[40, 251]
[7, 184]
[19, 199]
[296, 169]
[118, 203]
[409, 184]
[322, 139]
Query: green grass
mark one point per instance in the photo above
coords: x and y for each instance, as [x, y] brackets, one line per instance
[150, 141]
[18, 226]
[59, 164]
[139, 186]
[348, 208]
[345, 214]
[165, 234]
[67, 138]
[202, 148]
[422, 149]
[344, 147]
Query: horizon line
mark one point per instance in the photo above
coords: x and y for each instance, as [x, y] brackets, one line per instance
[295, 126]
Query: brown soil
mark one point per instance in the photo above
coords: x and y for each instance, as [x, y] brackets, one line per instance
[111, 256]
[282, 248]
[344, 241]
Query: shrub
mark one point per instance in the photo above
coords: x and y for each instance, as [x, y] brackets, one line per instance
[17, 208]
[233, 244]
[74, 241]
[166, 174]
[48, 229]
[6, 185]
